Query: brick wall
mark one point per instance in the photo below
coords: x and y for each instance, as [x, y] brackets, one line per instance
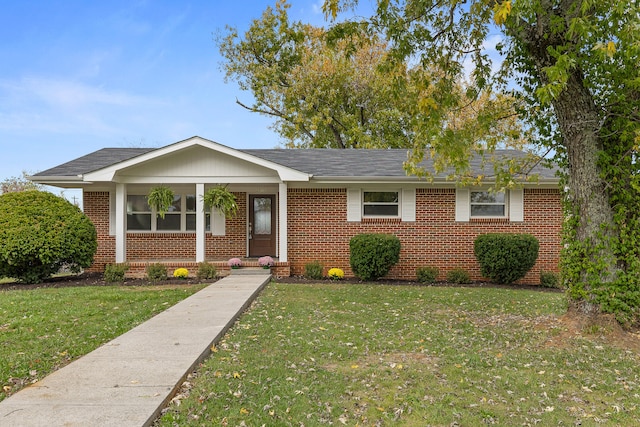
[318, 230]
[96, 207]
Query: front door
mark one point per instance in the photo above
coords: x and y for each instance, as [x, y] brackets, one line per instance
[262, 225]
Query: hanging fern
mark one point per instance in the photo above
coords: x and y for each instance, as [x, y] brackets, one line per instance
[160, 198]
[221, 199]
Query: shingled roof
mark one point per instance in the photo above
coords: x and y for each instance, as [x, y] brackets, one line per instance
[320, 163]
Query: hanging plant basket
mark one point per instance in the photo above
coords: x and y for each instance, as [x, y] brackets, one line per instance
[221, 199]
[160, 198]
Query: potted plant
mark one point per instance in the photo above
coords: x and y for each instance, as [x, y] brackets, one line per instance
[160, 198]
[235, 263]
[221, 199]
[266, 262]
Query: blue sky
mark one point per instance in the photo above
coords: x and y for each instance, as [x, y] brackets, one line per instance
[77, 76]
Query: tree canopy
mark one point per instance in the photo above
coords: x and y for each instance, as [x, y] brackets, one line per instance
[346, 92]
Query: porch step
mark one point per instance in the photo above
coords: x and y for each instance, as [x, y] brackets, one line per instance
[251, 271]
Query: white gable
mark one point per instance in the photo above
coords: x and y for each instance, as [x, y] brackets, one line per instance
[196, 160]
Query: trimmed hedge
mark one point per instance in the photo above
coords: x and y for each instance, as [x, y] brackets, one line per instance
[40, 233]
[373, 255]
[506, 258]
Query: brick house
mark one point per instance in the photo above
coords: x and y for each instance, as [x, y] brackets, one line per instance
[298, 206]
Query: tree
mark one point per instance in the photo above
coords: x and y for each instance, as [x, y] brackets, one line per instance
[333, 92]
[40, 233]
[573, 66]
[15, 183]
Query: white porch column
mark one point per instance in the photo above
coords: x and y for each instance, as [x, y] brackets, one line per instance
[200, 225]
[121, 221]
[282, 216]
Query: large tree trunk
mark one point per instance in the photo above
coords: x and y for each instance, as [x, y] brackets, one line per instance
[579, 123]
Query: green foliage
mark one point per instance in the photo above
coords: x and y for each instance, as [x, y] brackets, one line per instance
[114, 273]
[160, 198]
[221, 199]
[506, 258]
[156, 272]
[40, 233]
[320, 94]
[458, 276]
[313, 270]
[206, 271]
[549, 279]
[372, 255]
[427, 274]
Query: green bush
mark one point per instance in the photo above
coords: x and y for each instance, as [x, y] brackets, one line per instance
[549, 279]
[206, 271]
[459, 276]
[505, 258]
[373, 255]
[156, 272]
[40, 233]
[313, 270]
[427, 274]
[114, 273]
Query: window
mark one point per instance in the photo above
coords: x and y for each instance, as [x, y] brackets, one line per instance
[380, 204]
[181, 215]
[138, 213]
[488, 204]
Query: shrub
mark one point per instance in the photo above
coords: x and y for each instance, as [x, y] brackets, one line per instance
[335, 274]
[156, 272]
[181, 273]
[41, 232]
[549, 279]
[427, 274]
[313, 270]
[372, 255]
[505, 258]
[459, 276]
[206, 271]
[114, 273]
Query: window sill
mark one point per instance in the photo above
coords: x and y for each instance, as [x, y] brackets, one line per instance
[381, 220]
[495, 220]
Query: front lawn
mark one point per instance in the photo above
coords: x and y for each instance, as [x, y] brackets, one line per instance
[344, 354]
[42, 330]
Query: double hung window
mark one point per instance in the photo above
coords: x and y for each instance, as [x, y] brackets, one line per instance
[380, 204]
[485, 204]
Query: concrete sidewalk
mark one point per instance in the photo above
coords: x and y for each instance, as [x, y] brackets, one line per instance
[127, 381]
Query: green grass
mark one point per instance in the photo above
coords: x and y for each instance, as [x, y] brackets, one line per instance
[412, 356]
[42, 330]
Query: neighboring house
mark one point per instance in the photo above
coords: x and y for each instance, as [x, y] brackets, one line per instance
[298, 206]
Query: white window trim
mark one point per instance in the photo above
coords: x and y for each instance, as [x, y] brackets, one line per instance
[514, 205]
[406, 204]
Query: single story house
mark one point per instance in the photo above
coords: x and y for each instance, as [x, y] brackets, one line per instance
[298, 206]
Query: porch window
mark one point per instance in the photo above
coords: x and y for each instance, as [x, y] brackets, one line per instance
[138, 213]
[181, 216]
[485, 204]
[381, 204]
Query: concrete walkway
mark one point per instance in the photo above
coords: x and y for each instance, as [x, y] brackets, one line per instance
[127, 381]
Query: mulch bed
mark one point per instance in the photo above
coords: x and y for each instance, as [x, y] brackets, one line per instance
[96, 279]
